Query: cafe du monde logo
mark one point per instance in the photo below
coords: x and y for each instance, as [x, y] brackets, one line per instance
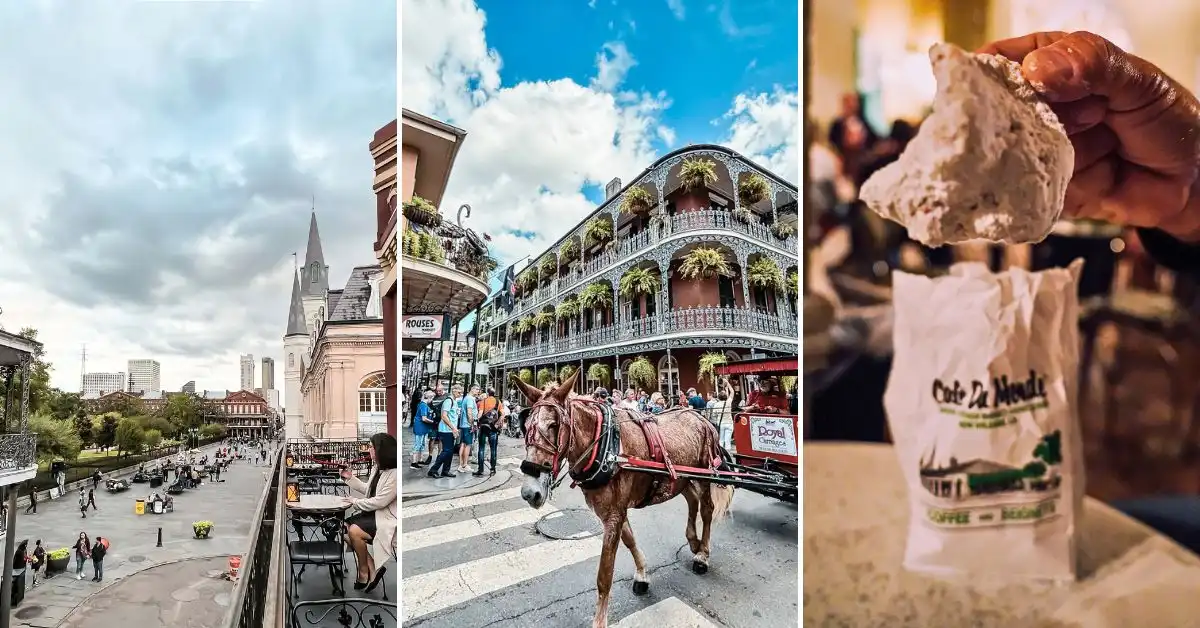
[1002, 392]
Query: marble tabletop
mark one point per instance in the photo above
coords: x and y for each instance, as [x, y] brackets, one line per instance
[855, 527]
[320, 503]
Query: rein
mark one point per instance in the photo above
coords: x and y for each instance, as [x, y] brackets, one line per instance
[562, 444]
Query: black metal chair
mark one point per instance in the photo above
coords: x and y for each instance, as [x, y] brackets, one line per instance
[344, 612]
[319, 542]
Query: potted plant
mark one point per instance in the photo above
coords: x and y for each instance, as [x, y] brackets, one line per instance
[525, 375]
[548, 268]
[752, 189]
[599, 372]
[636, 201]
[783, 230]
[705, 263]
[567, 309]
[527, 280]
[543, 319]
[57, 560]
[793, 283]
[565, 372]
[422, 212]
[544, 376]
[569, 251]
[596, 295]
[524, 326]
[638, 281]
[697, 173]
[202, 529]
[643, 374]
[742, 214]
[597, 231]
[709, 363]
[765, 273]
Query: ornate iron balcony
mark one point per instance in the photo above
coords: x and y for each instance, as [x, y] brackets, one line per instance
[17, 451]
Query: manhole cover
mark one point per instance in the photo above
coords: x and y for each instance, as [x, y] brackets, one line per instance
[29, 612]
[136, 558]
[569, 524]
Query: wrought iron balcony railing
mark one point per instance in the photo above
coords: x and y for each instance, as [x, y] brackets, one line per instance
[684, 222]
[710, 319]
[17, 451]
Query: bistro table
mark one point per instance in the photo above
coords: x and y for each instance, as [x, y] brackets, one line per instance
[316, 509]
[856, 525]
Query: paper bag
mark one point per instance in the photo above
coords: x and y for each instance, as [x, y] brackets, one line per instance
[982, 405]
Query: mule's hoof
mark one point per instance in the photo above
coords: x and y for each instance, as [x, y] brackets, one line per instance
[641, 588]
[699, 567]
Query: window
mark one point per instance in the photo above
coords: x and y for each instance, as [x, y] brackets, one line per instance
[291, 360]
[372, 398]
[668, 376]
[759, 295]
[314, 271]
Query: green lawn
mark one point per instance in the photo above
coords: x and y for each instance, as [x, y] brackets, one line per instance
[84, 456]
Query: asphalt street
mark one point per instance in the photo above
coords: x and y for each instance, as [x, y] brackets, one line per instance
[478, 560]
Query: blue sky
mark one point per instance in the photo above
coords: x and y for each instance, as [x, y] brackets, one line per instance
[558, 97]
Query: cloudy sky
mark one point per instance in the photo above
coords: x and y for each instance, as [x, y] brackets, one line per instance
[158, 165]
[558, 98]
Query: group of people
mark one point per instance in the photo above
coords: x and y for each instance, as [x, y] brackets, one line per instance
[84, 550]
[452, 423]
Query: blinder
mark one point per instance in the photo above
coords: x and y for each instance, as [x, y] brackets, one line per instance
[534, 470]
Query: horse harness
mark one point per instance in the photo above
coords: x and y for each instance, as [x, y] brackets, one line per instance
[603, 454]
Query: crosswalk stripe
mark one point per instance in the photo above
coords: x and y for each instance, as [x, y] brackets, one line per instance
[437, 590]
[446, 505]
[509, 461]
[669, 613]
[428, 537]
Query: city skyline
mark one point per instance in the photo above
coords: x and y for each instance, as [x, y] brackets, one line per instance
[160, 219]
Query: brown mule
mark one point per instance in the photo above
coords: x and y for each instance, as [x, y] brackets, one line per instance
[594, 443]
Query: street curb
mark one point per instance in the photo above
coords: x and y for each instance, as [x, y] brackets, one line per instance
[117, 581]
[500, 479]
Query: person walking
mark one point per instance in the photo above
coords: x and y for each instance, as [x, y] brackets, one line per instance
[32, 508]
[83, 503]
[467, 420]
[492, 417]
[92, 499]
[39, 560]
[450, 410]
[83, 551]
[96, 479]
[98, 552]
[424, 422]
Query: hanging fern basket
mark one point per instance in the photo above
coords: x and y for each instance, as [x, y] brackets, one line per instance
[422, 212]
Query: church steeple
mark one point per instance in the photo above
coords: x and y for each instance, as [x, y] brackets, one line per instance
[295, 324]
[314, 274]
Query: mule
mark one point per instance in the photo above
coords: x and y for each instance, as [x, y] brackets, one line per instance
[597, 445]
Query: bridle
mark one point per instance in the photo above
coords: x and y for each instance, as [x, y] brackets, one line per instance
[559, 446]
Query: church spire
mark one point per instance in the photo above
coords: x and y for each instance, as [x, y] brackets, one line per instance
[295, 324]
[315, 272]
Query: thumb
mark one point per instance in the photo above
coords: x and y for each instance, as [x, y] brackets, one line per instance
[1084, 64]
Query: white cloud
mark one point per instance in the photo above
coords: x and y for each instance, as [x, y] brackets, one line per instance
[613, 62]
[677, 8]
[667, 135]
[766, 128]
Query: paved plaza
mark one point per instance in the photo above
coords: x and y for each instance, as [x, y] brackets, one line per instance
[191, 589]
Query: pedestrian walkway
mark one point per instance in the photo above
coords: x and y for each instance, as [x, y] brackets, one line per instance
[417, 484]
[462, 551]
[229, 504]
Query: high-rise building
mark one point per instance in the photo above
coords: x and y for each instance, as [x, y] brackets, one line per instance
[247, 372]
[97, 384]
[268, 374]
[144, 374]
[189, 387]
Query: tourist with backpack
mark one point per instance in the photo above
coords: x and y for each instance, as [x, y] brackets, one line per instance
[98, 552]
[492, 417]
[424, 423]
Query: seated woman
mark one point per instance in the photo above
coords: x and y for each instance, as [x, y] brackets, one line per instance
[376, 519]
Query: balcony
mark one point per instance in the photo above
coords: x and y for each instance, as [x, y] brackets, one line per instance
[716, 221]
[746, 321]
[265, 596]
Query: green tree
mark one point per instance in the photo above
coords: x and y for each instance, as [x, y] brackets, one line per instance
[158, 423]
[121, 404]
[1049, 449]
[55, 438]
[130, 436]
[184, 411]
[65, 406]
[104, 429]
[153, 438]
[83, 427]
[212, 430]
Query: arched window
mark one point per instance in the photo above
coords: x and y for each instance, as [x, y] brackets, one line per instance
[291, 360]
[372, 404]
[314, 273]
[623, 375]
[668, 376]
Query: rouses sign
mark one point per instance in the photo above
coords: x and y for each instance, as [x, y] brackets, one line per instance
[426, 326]
[773, 434]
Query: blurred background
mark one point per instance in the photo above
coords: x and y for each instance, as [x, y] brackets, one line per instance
[868, 86]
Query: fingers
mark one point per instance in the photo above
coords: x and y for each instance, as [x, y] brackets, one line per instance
[1082, 64]
[1017, 48]
[1093, 145]
[1082, 114]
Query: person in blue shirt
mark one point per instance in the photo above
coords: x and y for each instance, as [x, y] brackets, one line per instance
[695, 400]
[467, 418]
[447, 430]
[423, 423]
